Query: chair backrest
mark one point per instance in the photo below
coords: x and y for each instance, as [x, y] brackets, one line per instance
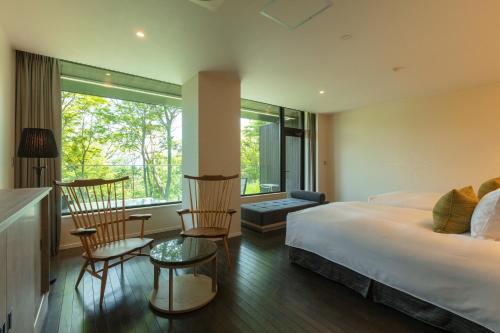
[243, 185]
[209, 198]
[99, 204]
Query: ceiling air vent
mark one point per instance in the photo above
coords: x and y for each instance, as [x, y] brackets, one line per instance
[209, 4]
[293, 13]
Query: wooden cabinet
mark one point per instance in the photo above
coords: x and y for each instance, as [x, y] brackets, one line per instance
[22, 294]
[21, 272]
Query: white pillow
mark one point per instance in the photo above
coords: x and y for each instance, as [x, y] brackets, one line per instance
[416, 200]
[485, 222]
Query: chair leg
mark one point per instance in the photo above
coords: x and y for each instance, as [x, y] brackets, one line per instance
[104, 278]
[82, 271]
[226, 248]
[121, 264]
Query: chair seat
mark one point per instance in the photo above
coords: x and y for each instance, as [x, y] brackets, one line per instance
[205, 232]
[120, 248]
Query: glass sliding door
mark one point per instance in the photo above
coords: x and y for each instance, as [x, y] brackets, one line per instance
[292, 168]
[293, 163]
[272, 148]
[293, 118]
[260, 149]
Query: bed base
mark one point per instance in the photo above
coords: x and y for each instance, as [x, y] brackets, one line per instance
[263, 228]
[384, 294]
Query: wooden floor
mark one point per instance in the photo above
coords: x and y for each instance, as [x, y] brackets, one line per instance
[263, 292]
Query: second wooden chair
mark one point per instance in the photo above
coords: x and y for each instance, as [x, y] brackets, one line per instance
[209, 215]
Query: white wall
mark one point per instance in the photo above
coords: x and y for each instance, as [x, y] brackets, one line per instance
[324, 165]
[190, 130]
[425, 144]
[7, 82]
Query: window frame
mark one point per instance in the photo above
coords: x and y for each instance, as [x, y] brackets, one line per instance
[293, 132]
[283, 133]
[168, 95]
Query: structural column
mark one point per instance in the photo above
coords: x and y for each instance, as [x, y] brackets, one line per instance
[211, 130]
[325, 154]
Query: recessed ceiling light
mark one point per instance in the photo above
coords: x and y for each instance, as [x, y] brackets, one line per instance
[108, 74]
[140, 34]
[346, 37]
[321, 92]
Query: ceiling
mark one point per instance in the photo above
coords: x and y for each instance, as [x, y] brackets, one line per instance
[442, 45]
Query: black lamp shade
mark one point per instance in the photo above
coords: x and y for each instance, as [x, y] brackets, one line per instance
[38, 143]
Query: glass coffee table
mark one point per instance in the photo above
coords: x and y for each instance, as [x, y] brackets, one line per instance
[183, 292]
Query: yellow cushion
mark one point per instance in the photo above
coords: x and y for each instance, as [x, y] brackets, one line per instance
[488, 186]
[453, 211]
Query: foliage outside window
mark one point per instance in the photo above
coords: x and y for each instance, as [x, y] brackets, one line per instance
[110, 138]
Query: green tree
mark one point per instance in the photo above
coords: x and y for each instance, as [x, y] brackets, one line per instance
[250, 156]
[85, 129]
[168, 114]
[110, 138]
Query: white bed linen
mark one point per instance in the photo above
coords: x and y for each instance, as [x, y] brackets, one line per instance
[396, 246]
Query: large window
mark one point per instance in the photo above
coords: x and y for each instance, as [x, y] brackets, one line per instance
[272, 148]
[114, 125]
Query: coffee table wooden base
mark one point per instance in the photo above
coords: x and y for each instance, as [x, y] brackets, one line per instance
[189, 292]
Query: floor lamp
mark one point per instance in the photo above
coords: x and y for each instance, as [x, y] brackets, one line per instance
[37, 143]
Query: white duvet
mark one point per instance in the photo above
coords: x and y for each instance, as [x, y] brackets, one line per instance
[396, 246]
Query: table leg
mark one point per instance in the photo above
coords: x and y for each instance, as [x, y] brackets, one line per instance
[156, 277]
[214, 274]
[170, 289]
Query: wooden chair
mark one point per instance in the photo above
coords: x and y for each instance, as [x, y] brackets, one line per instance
[97, 208]
[209, 215]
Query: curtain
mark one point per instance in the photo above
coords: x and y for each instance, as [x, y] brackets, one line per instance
[310, 152]
[38, 104]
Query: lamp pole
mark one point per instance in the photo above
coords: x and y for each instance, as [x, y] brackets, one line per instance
[38, 171]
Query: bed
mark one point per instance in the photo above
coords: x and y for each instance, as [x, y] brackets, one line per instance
[369, 245]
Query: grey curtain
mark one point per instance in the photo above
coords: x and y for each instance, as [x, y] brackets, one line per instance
[38, 104]
[310, 152]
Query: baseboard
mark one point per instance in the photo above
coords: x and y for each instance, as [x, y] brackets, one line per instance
[41, 314]
[265, 228]
[133, 234]
[235, 234]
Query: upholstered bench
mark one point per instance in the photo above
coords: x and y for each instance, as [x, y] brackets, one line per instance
[270, 215]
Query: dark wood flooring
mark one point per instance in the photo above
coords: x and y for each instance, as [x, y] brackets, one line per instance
[263, 292]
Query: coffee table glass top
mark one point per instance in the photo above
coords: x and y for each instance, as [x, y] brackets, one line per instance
[182, 251]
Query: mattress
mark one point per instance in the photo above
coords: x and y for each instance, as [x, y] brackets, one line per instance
[397, 247]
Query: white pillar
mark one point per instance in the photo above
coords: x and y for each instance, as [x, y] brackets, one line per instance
[324, 163]
[211, 130]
